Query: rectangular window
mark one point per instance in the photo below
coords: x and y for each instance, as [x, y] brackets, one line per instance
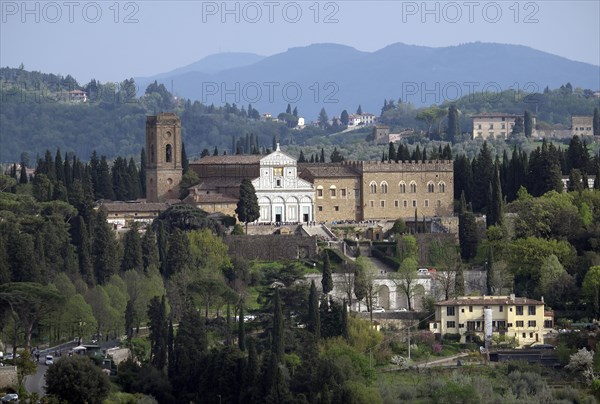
[426, 203]
[519, 324]
[519, 310]
[382, 203]
[414, 204]
[531, 324]
[450, 310]
[320, 208]
[531, 310]
[343, 192]
[501, 309]
[396, 203]
[319, 193]
[509, 325]
[336, 208]
[501, 325]
[450, 324]
[278, 183]
[278, 171]
[332, 192]
[462, 325]
[470, 309]
[372, 203]
[405, 204]
[548, 324]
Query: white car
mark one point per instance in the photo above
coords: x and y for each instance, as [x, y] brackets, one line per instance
[378, 310]
[49, 360]
[10, 397]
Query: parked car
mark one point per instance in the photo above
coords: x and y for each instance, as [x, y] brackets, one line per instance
[10, 397]
[49, 360]
[378, 310]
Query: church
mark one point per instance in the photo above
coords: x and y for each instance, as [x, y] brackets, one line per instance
[291, 192]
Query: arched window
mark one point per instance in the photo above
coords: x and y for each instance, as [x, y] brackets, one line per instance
[413, 187]
[168, 153]
[384, 187]
[442, 187]
[402, 187]
[373, 186]
[430, 187]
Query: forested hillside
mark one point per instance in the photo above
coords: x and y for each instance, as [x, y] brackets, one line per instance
[37, 114]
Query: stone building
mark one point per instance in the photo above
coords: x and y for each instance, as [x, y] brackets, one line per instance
[163, 157]
[495, 125]
[582, 125]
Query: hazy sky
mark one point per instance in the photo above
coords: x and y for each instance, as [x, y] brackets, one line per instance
[111, 41]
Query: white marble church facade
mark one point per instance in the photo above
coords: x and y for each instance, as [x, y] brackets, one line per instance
[282, 196]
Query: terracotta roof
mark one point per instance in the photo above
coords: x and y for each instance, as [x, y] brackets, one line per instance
[227, 159]
[494, 115]
[134, 206]
[214, 198]
[326, 170]
[488, 300]
[217, 182]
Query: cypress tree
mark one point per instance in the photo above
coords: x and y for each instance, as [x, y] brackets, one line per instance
[322, 160]
[459, 281]
[453, 124]
[104, 188]
[277, 337]
[344, 319]
[133, 181]
[241, 329]
[185, 163]
[527, 123]
[132, 251]
[247, 206]
[597, 179]
[301, 159]
[392, 152]
[158, 326]
[489, 268]
[23, 175]
[150, 255]
[178, 253]
[104, 249]
[314, 321]
[142, 174]
[326, 280]
[59, 167]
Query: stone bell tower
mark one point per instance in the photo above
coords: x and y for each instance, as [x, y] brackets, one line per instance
[163, 157]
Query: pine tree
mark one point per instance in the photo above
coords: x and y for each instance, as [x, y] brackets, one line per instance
[314, 323]
[327, 280]
[344, 118]
[247, 207]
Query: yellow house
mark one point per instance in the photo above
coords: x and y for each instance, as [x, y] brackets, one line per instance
[477, 316]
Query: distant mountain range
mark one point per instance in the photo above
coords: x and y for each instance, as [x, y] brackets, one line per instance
[340, 77]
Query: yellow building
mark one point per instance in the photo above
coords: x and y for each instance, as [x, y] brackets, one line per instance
[515, 317]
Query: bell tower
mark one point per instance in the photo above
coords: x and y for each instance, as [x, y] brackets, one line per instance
[163, 157]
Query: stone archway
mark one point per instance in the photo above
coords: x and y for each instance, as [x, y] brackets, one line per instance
[383, 297]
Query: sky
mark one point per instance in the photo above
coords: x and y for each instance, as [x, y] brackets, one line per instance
[112, 41]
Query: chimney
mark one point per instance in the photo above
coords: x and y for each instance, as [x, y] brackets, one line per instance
[512, 297]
